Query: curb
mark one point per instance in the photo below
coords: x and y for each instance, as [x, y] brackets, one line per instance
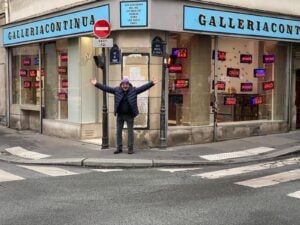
[146, 163]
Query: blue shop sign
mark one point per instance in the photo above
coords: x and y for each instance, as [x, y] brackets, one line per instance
[216, 21]
[79, 22]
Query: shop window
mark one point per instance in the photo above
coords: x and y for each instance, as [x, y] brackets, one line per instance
[179, 64]
[27, 76]
[251, 79]
[62, 87]
[56, 79]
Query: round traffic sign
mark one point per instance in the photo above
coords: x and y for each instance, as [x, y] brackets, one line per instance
[102, 28]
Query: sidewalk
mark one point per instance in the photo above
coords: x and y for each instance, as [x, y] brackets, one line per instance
[77, 153]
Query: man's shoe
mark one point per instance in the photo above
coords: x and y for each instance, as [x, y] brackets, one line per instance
[130, 151]
[118, 151]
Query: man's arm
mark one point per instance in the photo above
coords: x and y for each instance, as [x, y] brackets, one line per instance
[145, 87]
[102, 87]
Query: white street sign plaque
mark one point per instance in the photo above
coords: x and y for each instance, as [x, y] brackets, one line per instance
[103, 43]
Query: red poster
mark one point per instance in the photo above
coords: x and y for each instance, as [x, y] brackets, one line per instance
[233, 72]
[63, 69]
[42, 72]
[32, 73]
[246, 58]
[269, 59]
[27, 62]
[181, 83]
[23, 73]
[269, 85]
[64, 83]
[230, 100]
[221, 85]
[246, 87]
[176, 68]
[64, 57]
[37, 84]
[27, 84]
[221, 55]
[62, 96]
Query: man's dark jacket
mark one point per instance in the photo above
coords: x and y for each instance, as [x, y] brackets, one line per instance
[131, 95]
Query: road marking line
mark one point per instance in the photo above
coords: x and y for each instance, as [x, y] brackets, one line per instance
[248, 169]
[295, 194]
[237, 154]
[51, 171]
[24, 153]
[272, 179]
[107, 170]
[6, 176]
[177, 169]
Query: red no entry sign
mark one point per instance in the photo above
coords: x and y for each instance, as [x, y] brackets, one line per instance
[102, 28]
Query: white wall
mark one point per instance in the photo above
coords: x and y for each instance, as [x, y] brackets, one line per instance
[289, 7]
[20, 9]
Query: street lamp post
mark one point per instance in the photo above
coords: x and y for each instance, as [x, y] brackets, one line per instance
[163, 125]
[100, 61]
[104, 109]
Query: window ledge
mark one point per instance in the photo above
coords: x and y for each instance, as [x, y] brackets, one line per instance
[30, 107]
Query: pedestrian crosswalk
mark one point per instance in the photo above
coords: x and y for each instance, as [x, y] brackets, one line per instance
[272, 179]
[259, 182]
[24, 153]
[249, 169]
[49, 171]
[237, 154]
[289, 172]
[6, 176]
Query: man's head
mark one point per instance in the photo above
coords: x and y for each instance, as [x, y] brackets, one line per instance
[125, 84]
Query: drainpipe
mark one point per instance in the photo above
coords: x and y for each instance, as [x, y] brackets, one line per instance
[289, 87]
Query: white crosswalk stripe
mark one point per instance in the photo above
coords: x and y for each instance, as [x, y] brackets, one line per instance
[50, 171]
[6, 176]
[173, 170]
[271, 179]
[295, 194]
[237, 154]
[247, 169]
[24, 153]
[107, 170]
[46, 170]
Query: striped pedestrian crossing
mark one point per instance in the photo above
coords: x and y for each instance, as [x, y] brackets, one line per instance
[260, 182]
[40, 171]
[6, 176]
[248, 169]
[295, 194]
[237, 154]
[24, 153]
[272, 179]
[50, 171]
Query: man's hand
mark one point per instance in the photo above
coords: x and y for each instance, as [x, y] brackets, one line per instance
[155, 81]
[93, 81]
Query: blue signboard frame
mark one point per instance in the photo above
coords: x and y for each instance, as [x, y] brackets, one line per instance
[225, 22]
[75, 23]
[134, 14]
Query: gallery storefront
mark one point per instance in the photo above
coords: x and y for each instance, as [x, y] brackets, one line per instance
[229, 74]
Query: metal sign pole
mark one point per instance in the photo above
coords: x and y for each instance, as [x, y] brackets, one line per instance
[215, 104]
[104, 108]
[163, 129]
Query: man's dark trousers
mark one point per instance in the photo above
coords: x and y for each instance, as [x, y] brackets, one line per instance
[129, 119]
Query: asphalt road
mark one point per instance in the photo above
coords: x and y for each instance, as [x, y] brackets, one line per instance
[71, 195]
